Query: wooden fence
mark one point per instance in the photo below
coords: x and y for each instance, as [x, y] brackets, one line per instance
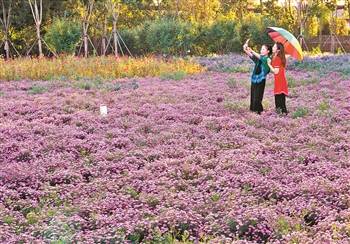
[328, 43]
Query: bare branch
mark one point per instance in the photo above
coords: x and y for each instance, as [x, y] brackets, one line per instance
[13, 46]
[36, 12]
[48, 47]
[90, 9]
[6, 15]
[3, 20]
[124, 44]
[9, 15]
[31, 7]
[41, 11]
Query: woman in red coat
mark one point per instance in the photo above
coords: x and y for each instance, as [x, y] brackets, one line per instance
[277, 67]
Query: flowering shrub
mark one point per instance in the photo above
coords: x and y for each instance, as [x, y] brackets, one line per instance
[174, 160]
[325, 64]
[321, 64]
[226, 63]
[70, 68]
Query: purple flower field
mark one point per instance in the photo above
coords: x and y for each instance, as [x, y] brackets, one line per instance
[175, 160]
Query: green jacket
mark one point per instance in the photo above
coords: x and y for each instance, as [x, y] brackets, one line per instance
[261, 69]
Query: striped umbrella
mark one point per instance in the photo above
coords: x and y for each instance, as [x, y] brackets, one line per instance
[290, 43]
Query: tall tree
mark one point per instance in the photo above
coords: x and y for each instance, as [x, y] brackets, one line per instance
[6, 22]
[86, 9]
[114, 7]
[332, 6]
[239, 7]
[347, 7]
[37, 12]
[204, 11]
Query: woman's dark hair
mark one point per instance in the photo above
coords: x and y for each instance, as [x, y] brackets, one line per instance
[281, 53]
[269, 48]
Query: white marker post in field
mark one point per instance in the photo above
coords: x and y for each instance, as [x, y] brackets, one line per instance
[103, 110]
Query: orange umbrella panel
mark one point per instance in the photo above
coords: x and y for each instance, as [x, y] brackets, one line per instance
[290, 43]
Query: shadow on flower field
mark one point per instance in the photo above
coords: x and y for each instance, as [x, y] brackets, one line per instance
[175, 160]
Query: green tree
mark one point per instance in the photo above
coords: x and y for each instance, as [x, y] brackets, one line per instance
[63, 35]
[169, 36]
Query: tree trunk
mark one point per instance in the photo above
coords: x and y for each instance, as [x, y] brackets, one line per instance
[38, 36]
[177, 8]
[5, 21]
[320, 32]
[7, 48]
[158, 7]
[115, 37]
[86, 41]
[332, 43]
[104, 48]
[348, 9]
[37, 13]
[86, 19]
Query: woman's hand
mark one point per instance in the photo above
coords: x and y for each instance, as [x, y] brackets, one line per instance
[245, 46]
[247, 50]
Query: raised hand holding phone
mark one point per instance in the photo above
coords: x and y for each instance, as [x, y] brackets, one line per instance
[245, 46]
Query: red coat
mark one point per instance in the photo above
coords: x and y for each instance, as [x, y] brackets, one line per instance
[281, 85]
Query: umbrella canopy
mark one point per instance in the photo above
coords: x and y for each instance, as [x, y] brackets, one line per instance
[290, 43]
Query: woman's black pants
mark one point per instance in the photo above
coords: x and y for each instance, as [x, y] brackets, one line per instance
[280, 101]
[256, 96]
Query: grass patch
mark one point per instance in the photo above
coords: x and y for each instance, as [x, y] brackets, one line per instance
[215, 197]
[283, 227]
[232, 82]
[324, 106]
[84, 85]
[132, 192]
[246, 187]
[309, 81]
[237, 69]
[265, 170]
[292, 82]
[178, 75]
[152, 201]
[266, 104]
[235, 106]
[58, 232]
[308, 65]
[32, 218]
[251, 122]
[300, 112]
[136, 236]
[37, 89]
[8, 219]
[114, 87]
[345, 72]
